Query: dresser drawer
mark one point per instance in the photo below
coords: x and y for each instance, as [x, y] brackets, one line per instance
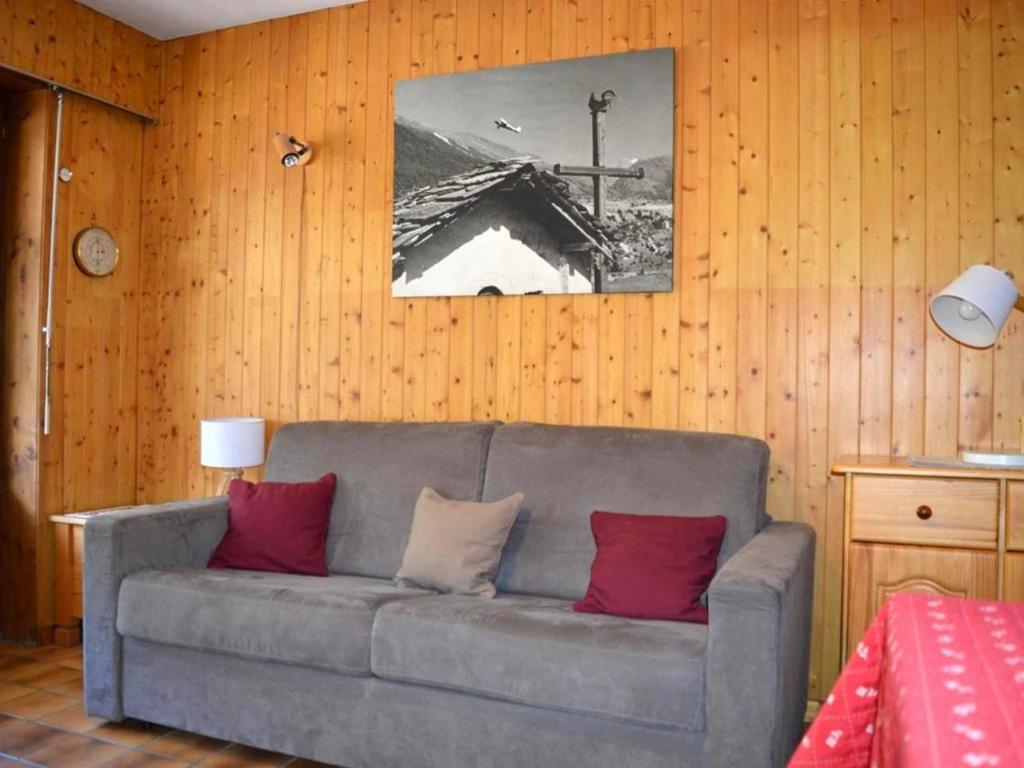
[929, 511]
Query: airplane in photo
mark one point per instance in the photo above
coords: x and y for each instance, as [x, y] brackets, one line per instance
[504, 124]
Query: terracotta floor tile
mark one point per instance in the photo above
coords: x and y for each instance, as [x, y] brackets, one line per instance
[53, 653]
[74, 719]
[36, 705]
[10, 691]
[12, 668]
[129, 733]
[45, 684]
[239, 756]
[74, 751]
[51, 675]
[25, 737]
[190, 747]
[13, 649]
[71, 688]
[144, 760]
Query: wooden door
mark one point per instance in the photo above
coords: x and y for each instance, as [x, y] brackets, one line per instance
[24, 532]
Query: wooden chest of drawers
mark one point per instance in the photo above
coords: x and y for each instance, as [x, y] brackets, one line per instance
[951, 531]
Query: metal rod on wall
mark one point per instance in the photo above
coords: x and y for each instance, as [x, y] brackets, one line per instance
[47, 82]
[48, 328]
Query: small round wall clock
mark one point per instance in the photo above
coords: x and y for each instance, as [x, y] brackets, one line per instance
[96, 252]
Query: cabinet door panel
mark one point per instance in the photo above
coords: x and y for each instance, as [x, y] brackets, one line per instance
[880, 570]
[1014, 577]
[1015, 515]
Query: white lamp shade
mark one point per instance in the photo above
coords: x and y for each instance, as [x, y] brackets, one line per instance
[973, 308]
[231, 443]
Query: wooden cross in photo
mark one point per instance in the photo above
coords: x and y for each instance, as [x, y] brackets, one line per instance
[597, 171]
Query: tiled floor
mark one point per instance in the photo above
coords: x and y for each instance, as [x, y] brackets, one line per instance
[42, 724]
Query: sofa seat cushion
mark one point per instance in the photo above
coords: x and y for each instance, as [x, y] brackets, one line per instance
[315, 622]
[537, 651]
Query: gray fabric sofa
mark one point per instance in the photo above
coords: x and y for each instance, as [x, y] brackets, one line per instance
[353, 670]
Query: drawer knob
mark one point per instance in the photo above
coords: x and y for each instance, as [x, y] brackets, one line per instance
[924, 512]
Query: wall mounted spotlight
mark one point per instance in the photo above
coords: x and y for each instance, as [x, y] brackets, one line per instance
[292, 151]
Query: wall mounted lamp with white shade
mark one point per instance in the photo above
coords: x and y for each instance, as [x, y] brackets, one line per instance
[231, 444]
[972, 310]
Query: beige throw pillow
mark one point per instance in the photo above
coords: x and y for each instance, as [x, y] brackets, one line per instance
[455, 546]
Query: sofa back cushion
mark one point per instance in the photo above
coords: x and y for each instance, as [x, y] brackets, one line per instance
[381, 469]
[566, 473]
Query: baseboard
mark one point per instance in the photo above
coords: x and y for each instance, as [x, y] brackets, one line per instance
[54, 634]
[813, 705]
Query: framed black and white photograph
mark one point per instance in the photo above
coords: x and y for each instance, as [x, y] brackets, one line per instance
[548, 178]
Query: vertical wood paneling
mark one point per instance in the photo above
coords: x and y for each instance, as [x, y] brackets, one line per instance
[98, 354]
[694, 201]
[1008, 202]
[441, 39]
[639, 368]
[836, 162]
[24, 530]
[974, 46]
[257, 148]
[665, 383]
[876, 227]
[752, 218]
[813, 309]
[69, 43]
[942, 181]
[725, 120]
[783, 122]
[844, 303]
[909, 219]
[313, 219]
[273, 230]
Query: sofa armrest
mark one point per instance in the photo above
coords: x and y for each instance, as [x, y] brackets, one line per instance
[121, 542]
[758, 649]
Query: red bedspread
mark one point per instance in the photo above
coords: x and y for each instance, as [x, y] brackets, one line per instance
[936, 681]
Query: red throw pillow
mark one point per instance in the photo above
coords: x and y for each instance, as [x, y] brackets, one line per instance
[652, 566]
[278, 527]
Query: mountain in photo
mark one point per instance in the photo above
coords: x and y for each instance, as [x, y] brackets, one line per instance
[424, 156]
[656, 185]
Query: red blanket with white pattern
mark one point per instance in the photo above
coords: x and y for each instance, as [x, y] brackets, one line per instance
[936, 681]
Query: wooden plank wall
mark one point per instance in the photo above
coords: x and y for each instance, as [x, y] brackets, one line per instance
[71, 44]
[25, 559]
[89, 459]
[836, 163]
[89, 456]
